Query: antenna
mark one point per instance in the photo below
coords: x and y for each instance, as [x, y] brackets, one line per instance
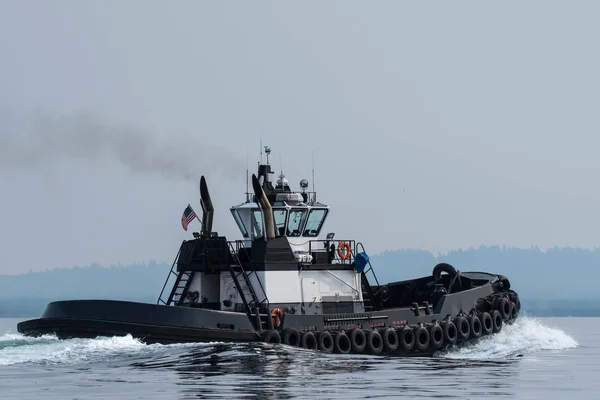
[260, 151]
[246, 175]
[280, 163]
[313, 172]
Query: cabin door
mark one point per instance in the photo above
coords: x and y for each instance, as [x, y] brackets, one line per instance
[310, 295]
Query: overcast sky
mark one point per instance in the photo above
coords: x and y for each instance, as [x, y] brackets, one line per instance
[433, 125]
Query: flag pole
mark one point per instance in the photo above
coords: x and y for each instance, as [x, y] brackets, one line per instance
[198, 218]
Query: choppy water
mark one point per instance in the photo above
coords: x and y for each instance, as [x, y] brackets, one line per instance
[546, 358]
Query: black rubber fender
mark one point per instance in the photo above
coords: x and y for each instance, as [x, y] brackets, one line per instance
[358, 340]
[450, 332]
[308, 341]
[421, 338]
[475, 326]
[341, 343]
[514, 296]
[436, 336]
[513, 313]
[487, 325]
[374, 342]
[502, 304]
[505, 282]
[463, 328]
[389, 338]
[442, 267]
[290, 336]
[325, 341]
[406, 339]
[497, 319]
[271, 336]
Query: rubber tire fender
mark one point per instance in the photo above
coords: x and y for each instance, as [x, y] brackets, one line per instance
[325, 341]
[442, 267]
[290, 336]
[271, 337]
[406, 339]
[503, 306]
[436, 336]
[450, 332]
[341, 343]
[358, 340]
[374, 342]
[487, 324]
[497, 319]
[475, 326]
[463, 329]
[308, 341]
[421, 338]
[389, 338]
[513, 313]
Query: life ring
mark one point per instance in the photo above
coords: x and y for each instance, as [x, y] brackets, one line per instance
[277, 318]
[193, 296]
[344, 245]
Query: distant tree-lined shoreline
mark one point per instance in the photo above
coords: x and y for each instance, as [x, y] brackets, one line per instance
[556, 282]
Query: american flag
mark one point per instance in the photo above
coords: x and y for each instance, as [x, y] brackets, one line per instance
[187, 217]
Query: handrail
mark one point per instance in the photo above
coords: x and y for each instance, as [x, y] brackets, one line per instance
[239, 244]
[336, 256]
[341, 280]
[372, 295]
[369, 262]
[168, 276]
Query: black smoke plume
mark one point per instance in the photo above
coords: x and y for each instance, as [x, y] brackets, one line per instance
[38, 141]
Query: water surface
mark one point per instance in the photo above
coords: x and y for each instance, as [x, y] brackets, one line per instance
[536, 358]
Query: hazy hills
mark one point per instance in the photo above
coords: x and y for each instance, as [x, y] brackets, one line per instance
[559, 281]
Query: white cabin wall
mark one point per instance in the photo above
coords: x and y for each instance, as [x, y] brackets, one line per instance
[196, 284]
[228, 291]
[211, 287]
[295, 287]
[207, 285]
[330, 283]
[282, 286]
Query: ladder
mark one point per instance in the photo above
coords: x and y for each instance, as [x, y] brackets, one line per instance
[182, 284]
[369, 297]
[367, 292]
[183, 279]
[238, 272]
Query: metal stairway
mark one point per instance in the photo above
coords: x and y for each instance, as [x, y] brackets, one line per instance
[183, 279]
[254, 305]
[182, 284]
[370, 298]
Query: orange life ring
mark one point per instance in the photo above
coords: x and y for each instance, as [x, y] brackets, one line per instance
[344, 245]
[277, 318]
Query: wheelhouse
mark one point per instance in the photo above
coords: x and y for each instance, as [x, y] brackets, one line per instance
[291, 220]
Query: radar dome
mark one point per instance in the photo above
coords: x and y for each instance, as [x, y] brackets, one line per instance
[303, 183]
[282, 181]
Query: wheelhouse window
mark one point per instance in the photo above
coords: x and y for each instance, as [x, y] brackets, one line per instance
[315, 221]
[257, 223]
[279, 216]
[239, 222]
[295, 221]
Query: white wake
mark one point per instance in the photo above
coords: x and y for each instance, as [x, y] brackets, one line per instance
[527, 335]
[18, 349]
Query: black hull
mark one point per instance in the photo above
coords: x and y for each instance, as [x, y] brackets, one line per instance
[150, 323]
[68, 328]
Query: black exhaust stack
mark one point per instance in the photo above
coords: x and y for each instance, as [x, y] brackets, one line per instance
[265, 206]
[207, 208]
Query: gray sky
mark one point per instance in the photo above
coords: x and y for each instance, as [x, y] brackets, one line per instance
[434, 126]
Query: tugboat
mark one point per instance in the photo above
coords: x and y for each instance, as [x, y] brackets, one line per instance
[287, 281]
